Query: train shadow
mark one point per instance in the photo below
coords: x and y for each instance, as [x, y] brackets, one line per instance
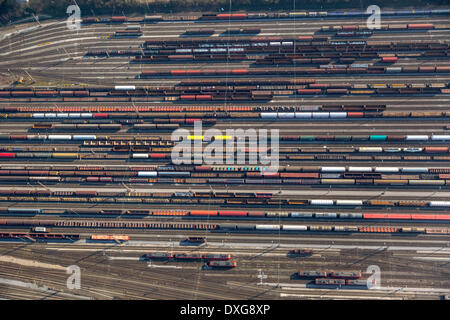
[196, 35]
[186, 243]
[208, 268]
[335, 286]
[143, 258]
[29, 241]
[115, 242]
[294, 256]
[295, 276]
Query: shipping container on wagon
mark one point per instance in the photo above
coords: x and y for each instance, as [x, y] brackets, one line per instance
[267, 227]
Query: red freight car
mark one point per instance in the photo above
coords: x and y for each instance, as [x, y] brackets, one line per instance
[7, 155]
[416, 26]
[203, 213]
[389, 59]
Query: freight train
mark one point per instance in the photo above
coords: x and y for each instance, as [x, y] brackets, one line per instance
[231, 214]
[222, 227]
[313, 175]
[384, 27]
[200, 256]
[297, 72]
[257, 48]
[154, 120]
[331, 274]
[217, 198]
[396, 181]
[278, 45]
[203, 90]
[264, 15]
[38, 236]
[340, 282]
[314, 14]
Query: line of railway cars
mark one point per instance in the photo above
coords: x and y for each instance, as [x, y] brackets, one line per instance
[297, 71]
[205, 90]
[235, 181]
[250, 171]
[334, 278]
[325, 60]
[222, 227]
[161, 150]
[213, 260]
[383, 27]
[302, 45]
[229, 198]
[232, 214]
[38, 236]
[314, 175]
[330, 274]
[345, 51]
[377, 138]
[320, 50]
[314, 14]
[153, 120]
[253, 95]
[340, 282]
[263, 15]
[130, 151]
[167, 255]
[109, 237]
[182, 111]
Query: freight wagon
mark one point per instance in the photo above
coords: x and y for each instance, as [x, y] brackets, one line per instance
[158, 256]
[328, 281]
[212, 227]
[188, 256]
[39, 236]
[312, 274]
[222, 264]
[110, 237]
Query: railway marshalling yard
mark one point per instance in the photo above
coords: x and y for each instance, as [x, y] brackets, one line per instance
[363, 175]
